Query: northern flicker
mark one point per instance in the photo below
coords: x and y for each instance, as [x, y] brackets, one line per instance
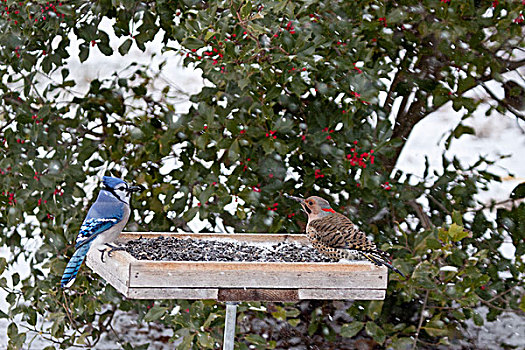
[335, 236]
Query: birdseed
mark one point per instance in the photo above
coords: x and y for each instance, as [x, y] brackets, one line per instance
[189, 249]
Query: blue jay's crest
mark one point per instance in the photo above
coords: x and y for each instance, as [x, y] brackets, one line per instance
[112, 182]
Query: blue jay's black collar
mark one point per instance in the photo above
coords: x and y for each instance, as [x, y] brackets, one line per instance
[129, 189]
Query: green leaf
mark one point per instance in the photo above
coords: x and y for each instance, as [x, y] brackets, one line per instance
[124, 48]
[374, 309]
[246, 9]
[294, 322]
[467, 83]
[12, 330]
[280, 314]
[522, 302]
[84, 53]
[211, 317]
[209, 34]
[193, 43]
[155, 313]
[16, 278]
[293, 312]
[433, 244]
[457, 232]
[350, 330]
[234, 151]
[3, 264]
[462, 130]
[435, 328]
[518, 192]
[457, 218]
[403, 344]
[105, 48]
[190, 213]
[255, 339]
[205, 341]
[478, 320]
[373, 330]
[443, 235]
[187, 342]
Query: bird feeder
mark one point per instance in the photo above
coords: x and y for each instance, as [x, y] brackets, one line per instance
[233, 282]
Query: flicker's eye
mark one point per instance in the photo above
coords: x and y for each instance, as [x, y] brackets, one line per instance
[310, 203]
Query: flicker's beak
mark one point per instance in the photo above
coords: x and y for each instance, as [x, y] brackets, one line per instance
[300, 200]
[138, 188]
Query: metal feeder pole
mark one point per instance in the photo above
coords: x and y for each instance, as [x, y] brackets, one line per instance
[229, 325]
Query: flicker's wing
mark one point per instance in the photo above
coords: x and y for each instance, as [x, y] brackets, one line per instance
[337, 231]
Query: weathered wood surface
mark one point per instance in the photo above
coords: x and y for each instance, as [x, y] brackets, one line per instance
[239, 281]
[342, 294]
[114, 270]
[256, 275]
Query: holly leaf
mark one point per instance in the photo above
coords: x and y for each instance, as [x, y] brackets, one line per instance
[193, 43]
[155, 313]
[376, 332]
[350, 330]
[518, 191]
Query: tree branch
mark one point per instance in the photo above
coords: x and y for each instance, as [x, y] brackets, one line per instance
[389, 101]
[414, 345]
[423, 217]
[502, 102]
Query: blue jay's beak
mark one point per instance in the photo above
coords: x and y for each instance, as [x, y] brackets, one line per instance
[138, 188]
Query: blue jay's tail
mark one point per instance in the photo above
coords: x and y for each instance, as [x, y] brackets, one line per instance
[70, 273]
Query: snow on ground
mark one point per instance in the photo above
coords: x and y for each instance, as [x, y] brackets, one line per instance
[495, 136]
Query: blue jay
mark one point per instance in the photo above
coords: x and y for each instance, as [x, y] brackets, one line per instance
[104, 221]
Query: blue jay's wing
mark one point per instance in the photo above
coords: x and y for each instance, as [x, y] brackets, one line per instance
[91, 228]
[101, 216]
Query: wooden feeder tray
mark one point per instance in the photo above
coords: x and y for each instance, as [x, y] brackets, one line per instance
[238, 281]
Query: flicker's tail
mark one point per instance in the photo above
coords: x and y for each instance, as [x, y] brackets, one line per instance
[71, 271]
[379, 259]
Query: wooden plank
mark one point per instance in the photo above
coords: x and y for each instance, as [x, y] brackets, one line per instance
[114, 270]
[217, 266]
[173, 293]
[241, 294]
[242, 237]
[342, 294]
[257, 275]
[244, 294]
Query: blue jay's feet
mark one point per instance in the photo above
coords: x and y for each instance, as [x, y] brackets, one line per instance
[102, 251]
[110, 251]
[114, 248]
